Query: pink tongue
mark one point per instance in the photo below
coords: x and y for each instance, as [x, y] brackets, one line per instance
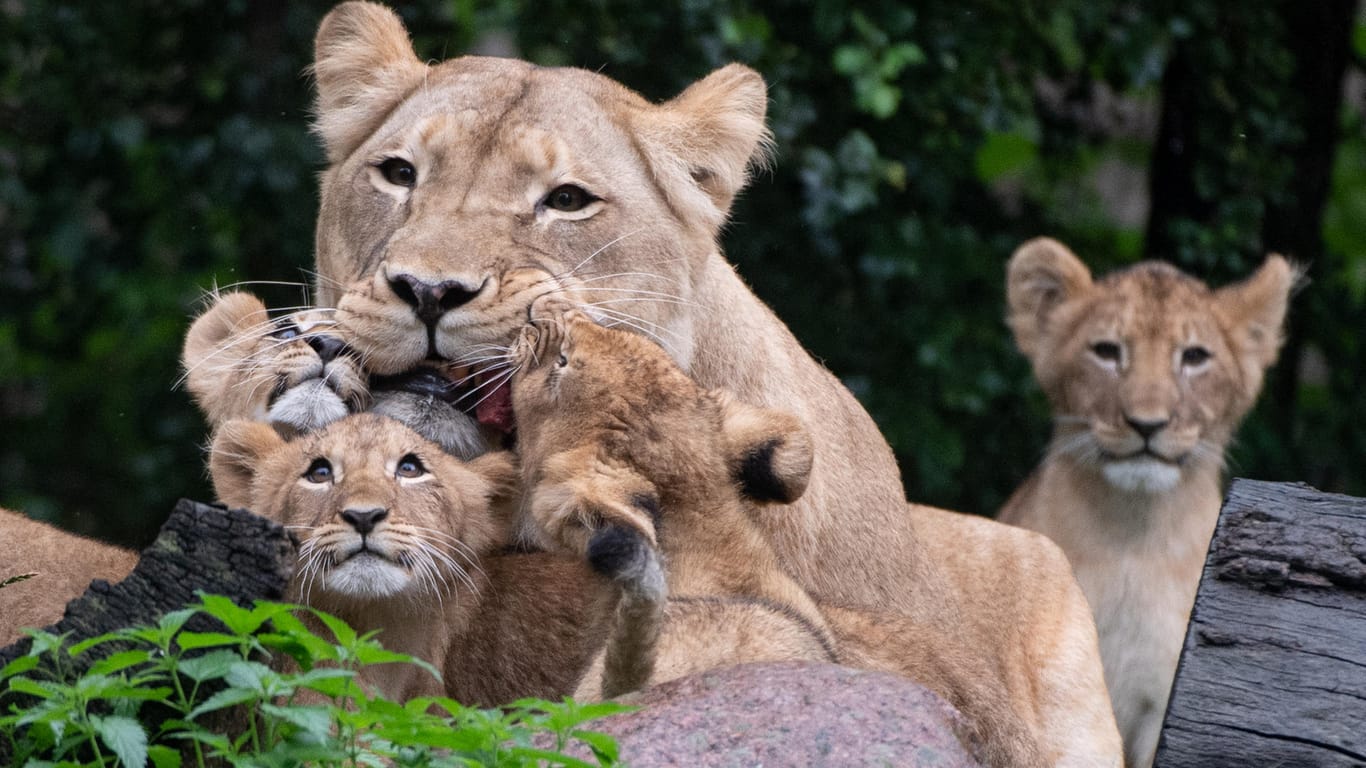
[496, 409]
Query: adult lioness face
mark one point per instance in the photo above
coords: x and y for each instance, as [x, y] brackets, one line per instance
[459, 193]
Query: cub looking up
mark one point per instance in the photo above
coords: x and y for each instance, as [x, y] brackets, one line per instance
[1148, 372]
[396, 536]
[657, 482]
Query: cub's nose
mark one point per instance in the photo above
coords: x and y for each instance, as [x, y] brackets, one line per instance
[1146, 428]
[364, 520]
[326, 345]
[431, 300]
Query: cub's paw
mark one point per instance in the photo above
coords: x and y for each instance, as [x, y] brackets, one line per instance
[576, 497]
[295, 371]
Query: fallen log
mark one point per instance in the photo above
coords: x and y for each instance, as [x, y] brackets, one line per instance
[1273, 671]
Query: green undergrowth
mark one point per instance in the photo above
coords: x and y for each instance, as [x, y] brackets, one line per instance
[166, 696]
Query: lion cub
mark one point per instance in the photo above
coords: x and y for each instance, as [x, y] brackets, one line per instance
[1148, 372]
[396, 536]
[656, 482]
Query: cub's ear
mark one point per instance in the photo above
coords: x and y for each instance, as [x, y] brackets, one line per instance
[1042, 274]
[237, 448]
[769, 452]
[1254, 311]
[228, 323]
[500, 470]
[702, 143]
[364, 64]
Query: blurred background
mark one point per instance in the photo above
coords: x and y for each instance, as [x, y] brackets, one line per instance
[152, 148]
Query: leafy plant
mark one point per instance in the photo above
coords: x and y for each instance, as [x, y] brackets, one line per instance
[165, 694]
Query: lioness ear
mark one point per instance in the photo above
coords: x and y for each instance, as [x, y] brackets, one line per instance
[364, 64]
[704, 141]
[769, 451]
[1042, 274]
[237, 448]
[1254, 311]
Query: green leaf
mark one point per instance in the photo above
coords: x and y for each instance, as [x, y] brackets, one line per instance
[191, 640]
[1004, 154]
[98, 640]
[33, 687]
[125, 737]
[119, 661]
[604, 747]
[209, 666]
[345, 635]
[227, 697]
[316, 721]
[18, 666]
[163, 756]
[239, 620]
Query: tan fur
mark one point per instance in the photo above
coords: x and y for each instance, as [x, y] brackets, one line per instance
[238, 362]
[425, 583]
[614, 434]
[488, 140]
[1136, 535]
[62, 565]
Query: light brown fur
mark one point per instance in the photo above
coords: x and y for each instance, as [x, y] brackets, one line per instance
[62, 565]
[498, 627]
[446, 178]
[614, 435]
[1136, 530]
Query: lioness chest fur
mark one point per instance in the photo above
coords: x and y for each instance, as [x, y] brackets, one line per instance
[1148, 372]
[398, 536]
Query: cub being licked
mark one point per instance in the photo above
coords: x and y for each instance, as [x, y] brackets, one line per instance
[1148, 372]
[659, 482]
[399, 536]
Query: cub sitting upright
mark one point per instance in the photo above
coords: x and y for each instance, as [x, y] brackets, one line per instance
[1148, 372]
[630, 463]
[396, 535]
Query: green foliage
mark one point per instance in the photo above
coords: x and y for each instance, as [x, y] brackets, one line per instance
[316, 714]
[151, 149]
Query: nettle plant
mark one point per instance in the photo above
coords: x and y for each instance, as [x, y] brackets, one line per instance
[220, 704]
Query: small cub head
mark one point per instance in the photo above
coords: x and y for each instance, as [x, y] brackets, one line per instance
[381, 512]
[1147, 369]
[611, 430]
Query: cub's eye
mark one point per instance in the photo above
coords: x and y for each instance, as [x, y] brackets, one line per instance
[562, 361]
[320, 471]
[568, 198]
[398, 172]
[286, 332]
[1106, 350]
[410, 466]
[1193, 356]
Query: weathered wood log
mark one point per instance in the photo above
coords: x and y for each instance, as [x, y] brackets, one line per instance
[1273, 671]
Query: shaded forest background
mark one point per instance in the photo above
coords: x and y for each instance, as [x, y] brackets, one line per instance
[154, 148]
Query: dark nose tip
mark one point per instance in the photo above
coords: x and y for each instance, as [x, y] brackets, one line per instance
[431, 300]
[326, 345]
[1146, 428]
[364, 520]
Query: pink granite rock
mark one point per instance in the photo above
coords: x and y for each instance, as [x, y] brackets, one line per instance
[789, 714]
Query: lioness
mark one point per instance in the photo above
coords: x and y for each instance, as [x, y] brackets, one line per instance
[397, 536]
[654, 480]
[1148, 372]
[59, 566]
[458, 193]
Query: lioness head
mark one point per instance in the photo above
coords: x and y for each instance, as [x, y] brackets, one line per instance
[611, 431]
[457, 193]
[1147, 369]
[381, 512]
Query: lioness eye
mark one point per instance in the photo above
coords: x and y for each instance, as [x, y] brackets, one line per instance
[568, 198]
[1193, 356]
[410, 466]
[1106, 350]
[399, 172]
[320, 471]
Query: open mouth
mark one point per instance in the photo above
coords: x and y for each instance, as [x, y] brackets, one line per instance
[486, 396]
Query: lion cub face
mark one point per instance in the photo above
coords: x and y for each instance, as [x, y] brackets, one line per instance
[381, 512]
[1148, 370]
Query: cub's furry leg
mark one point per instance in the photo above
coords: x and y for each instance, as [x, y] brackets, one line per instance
[623, 555]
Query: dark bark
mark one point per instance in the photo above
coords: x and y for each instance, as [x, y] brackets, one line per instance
[201, 548]
[1274, 667]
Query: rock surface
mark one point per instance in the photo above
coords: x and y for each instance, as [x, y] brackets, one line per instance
[789, 714]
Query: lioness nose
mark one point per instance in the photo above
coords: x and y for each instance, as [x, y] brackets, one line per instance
[1146, 428]
[364, 520]
[327, 346]
[431, 300]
